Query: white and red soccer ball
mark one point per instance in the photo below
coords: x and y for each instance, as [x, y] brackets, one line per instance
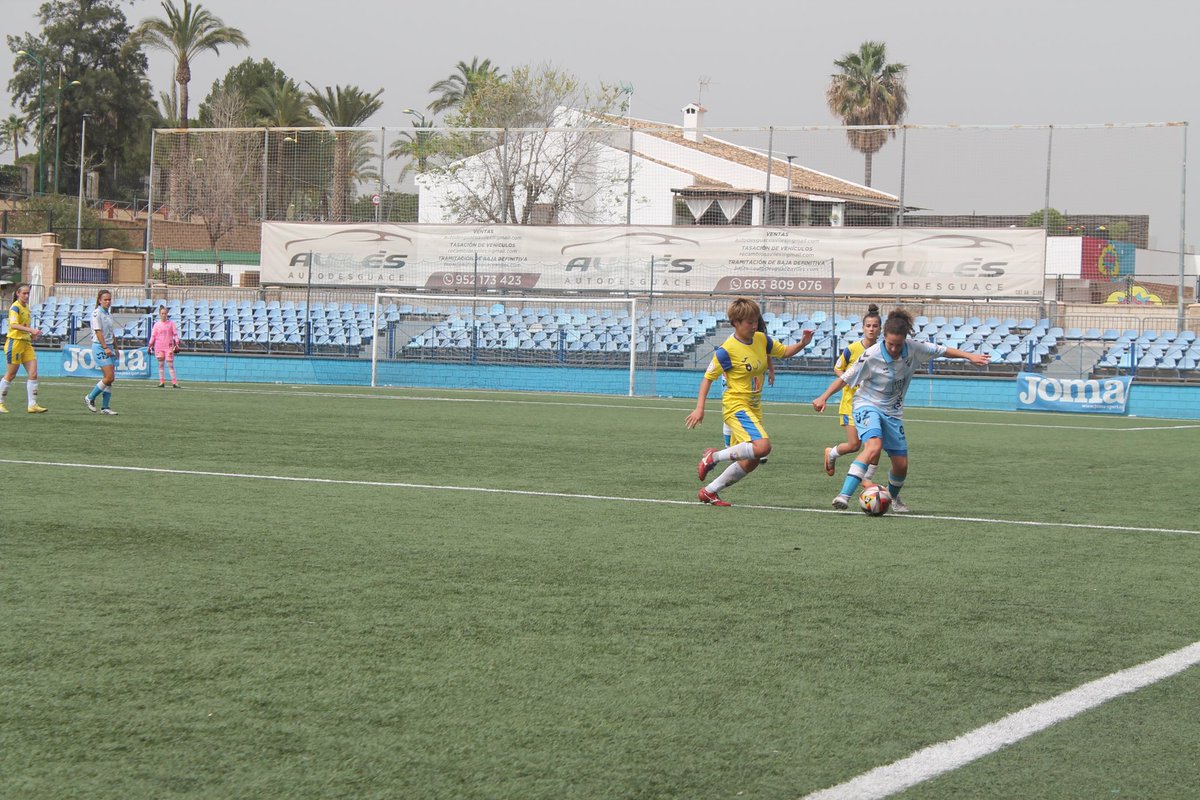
[875, 500]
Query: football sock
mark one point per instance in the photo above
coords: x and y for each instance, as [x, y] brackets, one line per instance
[834, 453]
[4, 384]
[858, 471]
[31, 392]
[106, 397]
[96, 390]
[870, 474]
[895, 485]
[735, 453]
[732, 474]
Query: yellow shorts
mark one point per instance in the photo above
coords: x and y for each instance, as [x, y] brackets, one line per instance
[19, 351]
[846, 420]
[745, 425]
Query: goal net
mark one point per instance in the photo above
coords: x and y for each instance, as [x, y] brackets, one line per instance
[551, 344]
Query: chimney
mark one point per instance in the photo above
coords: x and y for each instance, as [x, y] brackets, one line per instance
[693, 122]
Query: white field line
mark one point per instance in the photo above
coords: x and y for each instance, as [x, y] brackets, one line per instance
[777, 408]
[937, 759]
[566, 495]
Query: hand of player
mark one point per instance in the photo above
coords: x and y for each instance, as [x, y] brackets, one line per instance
[979, 359]
[35, 332]
[694, 418]
[818, 404]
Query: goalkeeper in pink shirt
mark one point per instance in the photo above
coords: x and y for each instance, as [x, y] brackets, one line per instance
[164, 342]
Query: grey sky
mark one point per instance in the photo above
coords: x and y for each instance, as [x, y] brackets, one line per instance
[768, 63]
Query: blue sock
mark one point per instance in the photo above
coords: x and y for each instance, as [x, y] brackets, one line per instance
[895, 485]
[107, 398]
[853, 478]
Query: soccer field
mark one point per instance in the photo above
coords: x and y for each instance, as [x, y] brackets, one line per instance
[285, 591]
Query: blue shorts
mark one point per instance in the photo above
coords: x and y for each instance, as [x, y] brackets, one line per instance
[874, 424]
[102, 358]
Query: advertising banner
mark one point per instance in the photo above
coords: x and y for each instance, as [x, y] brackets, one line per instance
[1100, 396]
[78, 361]
[900, 262]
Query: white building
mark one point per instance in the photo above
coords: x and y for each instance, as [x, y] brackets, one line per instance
[614, 170]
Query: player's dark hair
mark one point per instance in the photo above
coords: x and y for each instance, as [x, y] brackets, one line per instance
[17, 290]
[101, 293]
[899, 321]
[872, 311]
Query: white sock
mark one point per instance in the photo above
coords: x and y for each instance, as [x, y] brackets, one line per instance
[833, 454]
[4, 384]
[732, 474]
[31, 392]
[870, 473]
[735, 453]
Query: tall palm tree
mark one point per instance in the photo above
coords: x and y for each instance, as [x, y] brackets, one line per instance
[284, 104]
[868, 91]
[13, 132]
[343, 107]
[461, 84]
[185, 33]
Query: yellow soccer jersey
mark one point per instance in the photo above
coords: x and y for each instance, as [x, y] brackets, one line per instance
[19, 315]
[852, 353]
[744, 367]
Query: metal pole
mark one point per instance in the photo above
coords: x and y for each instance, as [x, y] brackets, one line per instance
[150, 211]
[40, 185]
[787, 205]
[1183, 230]
[1049, 161]
[629, 181]
[382, 145]
[266, 158]
[82, 172]
[770, 164]
[903, 171]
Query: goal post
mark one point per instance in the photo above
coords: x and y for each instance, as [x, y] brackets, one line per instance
[530, 343]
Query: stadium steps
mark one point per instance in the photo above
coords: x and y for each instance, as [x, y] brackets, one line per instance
[1075, 360]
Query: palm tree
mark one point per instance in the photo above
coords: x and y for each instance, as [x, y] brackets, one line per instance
[185, 33]
[868, 91]
[283, 105]
[463, 83]
[13, 132]
[343, 107]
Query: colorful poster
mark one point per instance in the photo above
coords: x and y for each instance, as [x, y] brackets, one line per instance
[1102, 260]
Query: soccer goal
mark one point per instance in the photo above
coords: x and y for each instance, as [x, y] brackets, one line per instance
[567, 344]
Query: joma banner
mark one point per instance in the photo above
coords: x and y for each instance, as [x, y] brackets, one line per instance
[1099, 396]
[78, 360]
[896, 262]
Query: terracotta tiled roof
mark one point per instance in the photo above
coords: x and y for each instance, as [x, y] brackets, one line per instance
[804, 180]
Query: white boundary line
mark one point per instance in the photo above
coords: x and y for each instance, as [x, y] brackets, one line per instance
[569, 495]
[937, 759]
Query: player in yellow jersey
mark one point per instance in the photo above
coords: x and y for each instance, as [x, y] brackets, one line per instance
[18, 350]
[742, 359]
[872, 323]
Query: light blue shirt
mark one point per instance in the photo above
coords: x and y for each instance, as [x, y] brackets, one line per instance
[882, 381]
[102, 321]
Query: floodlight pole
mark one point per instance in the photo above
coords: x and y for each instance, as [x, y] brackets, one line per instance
[82, 172]
[787, 204]
[41, 176]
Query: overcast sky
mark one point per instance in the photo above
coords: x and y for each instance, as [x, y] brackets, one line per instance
[767, 63]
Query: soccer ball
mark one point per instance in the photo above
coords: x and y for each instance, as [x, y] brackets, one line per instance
[875, 500]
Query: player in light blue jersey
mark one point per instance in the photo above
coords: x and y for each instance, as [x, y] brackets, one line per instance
[104, 353]
[881, 377]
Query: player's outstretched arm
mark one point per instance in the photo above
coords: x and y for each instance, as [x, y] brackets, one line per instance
[978, 359]
[818, 403]
[697, 415]
[796, 347]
